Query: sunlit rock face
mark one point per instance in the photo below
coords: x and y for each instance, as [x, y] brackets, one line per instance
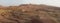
[29, 14]
[9, 16]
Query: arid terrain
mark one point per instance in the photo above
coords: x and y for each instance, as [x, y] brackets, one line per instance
[30, 13]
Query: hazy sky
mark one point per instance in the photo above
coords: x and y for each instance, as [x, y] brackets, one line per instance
[18, 2]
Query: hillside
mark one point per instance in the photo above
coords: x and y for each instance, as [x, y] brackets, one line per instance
[30, 13]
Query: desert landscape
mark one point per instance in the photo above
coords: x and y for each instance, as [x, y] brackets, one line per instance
[30, 13]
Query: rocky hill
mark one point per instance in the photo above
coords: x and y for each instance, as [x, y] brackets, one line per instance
[30, 13]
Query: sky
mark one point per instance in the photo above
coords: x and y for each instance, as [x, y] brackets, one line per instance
[18, 2]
